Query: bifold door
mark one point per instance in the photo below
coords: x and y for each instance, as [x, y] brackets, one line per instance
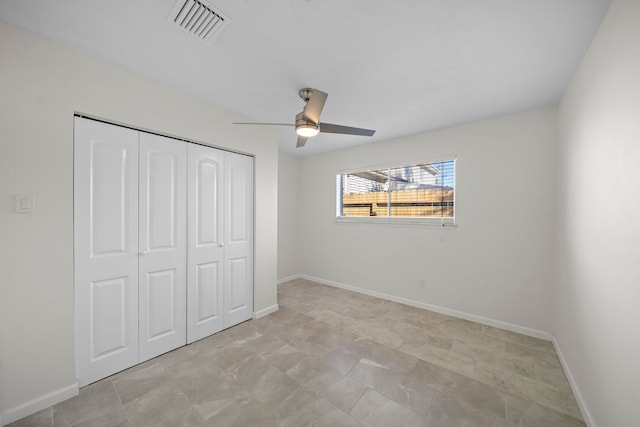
[105, 249]
[238, 254]
[220, 261]
[206, 242]
[163, 245]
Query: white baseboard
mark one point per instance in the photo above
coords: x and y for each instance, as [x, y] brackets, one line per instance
[261, 313]
[588, 419]
[442, 310]
[288, 279]
[40, 403]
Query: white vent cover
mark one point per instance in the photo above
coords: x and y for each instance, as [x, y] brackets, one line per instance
[199, 18]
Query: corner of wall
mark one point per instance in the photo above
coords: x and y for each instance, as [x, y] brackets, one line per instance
[288, 279]
[574, 386]
[266, 311]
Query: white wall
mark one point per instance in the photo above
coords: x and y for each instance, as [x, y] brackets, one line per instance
[41, 86]
[288, 209]
[597, 323]
[496, 265]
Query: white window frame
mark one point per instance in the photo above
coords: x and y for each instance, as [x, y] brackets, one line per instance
[432, 222]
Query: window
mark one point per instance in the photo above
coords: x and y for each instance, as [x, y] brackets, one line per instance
[423, 192]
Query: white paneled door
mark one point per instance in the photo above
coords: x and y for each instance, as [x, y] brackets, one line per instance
[206, 242]
[163, 245]
[238, 254]
[105, 249]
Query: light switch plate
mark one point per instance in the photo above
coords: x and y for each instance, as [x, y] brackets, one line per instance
[25, 203]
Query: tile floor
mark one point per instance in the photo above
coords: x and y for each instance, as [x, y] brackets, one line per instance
[330, 357]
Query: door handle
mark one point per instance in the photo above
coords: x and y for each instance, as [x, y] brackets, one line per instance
[143, 253]
[221, 245]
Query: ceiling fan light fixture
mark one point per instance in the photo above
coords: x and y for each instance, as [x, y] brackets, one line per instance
[307, 130]
[308, 123]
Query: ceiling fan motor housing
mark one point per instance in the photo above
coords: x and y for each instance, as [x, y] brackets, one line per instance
[306, 127]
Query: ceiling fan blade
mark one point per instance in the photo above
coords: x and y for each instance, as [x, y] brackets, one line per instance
[264, 124]
[348, 130]
[301, 141]
[314, 106]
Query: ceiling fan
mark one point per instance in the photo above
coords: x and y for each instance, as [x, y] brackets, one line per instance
[308, 123]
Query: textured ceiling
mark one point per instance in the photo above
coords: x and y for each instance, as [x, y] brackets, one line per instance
[400, 67]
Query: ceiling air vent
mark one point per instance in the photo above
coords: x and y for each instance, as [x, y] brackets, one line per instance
[199, 18]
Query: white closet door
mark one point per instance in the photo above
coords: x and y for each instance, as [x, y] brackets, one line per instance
[206, 244]
[105, 249]
[163, 245]
[238, 254]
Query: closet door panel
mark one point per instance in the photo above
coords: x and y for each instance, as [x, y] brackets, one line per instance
[145, 283]
[237, 283]
[163, 245]
[206, 244]
[105, 249]
[238, 256]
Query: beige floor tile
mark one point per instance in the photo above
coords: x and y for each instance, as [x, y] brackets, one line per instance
[336, 418]
[42, 418]
[284, 357]
[384, 355]
[515, 409]
[266, 383]
[166, 405]
[450, 412]
[376, 410]
[462, 364]
[507, 363]
[203, 352]
[341, 358]
[557, 398]
[227, 406]
[383, 379]
[526, 341]
[369, 402]
[97, 404]
[202, 384]
[539, 416]
[314, 373]
[452, 386]
[344, 393]
[302, 408]
[137, 383]
[552, 375]
[331, 357]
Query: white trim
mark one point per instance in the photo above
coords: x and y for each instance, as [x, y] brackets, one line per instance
[261, 313]
[439, 222]
[442, 310]
[586, 415]
[443, 223]
[40, 403]
[288, 279]
[393, 165]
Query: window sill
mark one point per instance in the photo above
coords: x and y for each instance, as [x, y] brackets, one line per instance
[424, 222]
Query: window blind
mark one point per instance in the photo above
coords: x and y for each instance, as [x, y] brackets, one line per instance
[422, 190]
